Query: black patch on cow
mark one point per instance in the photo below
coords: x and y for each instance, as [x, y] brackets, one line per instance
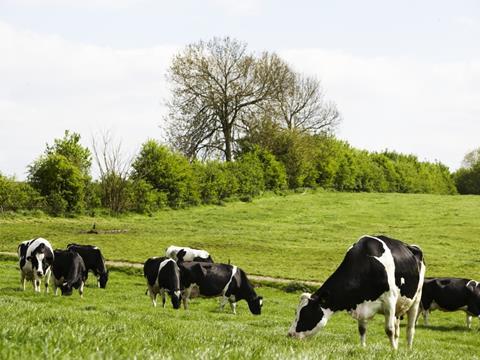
[69, 265]
[167, 278]
[212, 278]
[451, 294]
[94, 261]
[361, 277]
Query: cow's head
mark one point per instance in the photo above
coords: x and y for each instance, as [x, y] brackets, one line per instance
[311, 316]
[176, 297]
[255, 305]
[473, 288]
[180, 255]
[41, 258]
[66, 288]
[102, 280]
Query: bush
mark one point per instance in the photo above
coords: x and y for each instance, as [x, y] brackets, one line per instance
[16, 195]
[248, 170]
[54, 177]
[167, 172]
[144, 198]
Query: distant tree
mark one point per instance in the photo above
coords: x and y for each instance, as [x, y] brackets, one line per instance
[61, 174]
[114, 169]
[467, 178]
[302, 106]
[471, 159]
[167, 172]
[70, 147]
[216, 86]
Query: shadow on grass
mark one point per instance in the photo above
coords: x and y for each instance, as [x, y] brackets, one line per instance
[443, 328]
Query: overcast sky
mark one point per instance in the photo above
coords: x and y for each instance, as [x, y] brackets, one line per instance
[404, 74]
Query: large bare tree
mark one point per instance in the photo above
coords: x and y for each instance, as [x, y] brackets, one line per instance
[216, 86]
[302, 106]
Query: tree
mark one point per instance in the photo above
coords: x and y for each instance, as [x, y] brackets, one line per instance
[114, 170]
[61, 174]
[216, 85]
[70, 147]
[471, 159]
[167, 172]
[467, 178]
[302, 106]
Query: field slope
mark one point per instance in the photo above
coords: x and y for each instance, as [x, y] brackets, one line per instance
[300, 236]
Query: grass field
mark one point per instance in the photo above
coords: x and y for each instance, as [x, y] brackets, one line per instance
[297, 237]
[121, 323]
[306, 234]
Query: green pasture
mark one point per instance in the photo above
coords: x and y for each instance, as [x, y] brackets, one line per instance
[300, 236]
[121, 323]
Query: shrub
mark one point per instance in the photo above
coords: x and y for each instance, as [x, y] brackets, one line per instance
[167, 172]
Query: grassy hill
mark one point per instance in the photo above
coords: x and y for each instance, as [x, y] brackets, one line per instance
[301, 236]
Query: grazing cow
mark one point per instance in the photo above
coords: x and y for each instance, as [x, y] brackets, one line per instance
[179, 253]
[69, 272]
[35, 258]
[377, 275]
[94, 261]
[162, 275]
[224, 280]
[451, 294]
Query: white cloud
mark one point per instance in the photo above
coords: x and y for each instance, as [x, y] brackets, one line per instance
[50, 84]
[404, 104]
[238, 8]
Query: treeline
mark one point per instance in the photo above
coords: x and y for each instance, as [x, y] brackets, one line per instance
[59, 182]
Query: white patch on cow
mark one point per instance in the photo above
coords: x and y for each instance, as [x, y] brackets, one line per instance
[177, 293]
[402, 281]
[190, 253]
[367, 309]
[234, 271]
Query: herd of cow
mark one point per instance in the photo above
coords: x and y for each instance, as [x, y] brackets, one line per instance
[377, 275]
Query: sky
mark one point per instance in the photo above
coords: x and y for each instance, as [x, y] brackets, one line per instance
[405, 75]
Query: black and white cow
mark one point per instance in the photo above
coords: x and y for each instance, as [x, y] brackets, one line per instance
[179, 253]
[35, 258]
[227, 281]
[162, 275]
[69, 272]
[94, 261]
[451, 294]
[377, 275]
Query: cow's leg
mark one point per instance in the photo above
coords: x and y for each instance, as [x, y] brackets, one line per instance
[233, 306]
[186, 296]
[469, 321]
[162, 292]
[425, 314]
[397, 329]
[223, 301]
[412, 317]
[47, 279]
[36, 285]
[389, 311]
[153, 296]
[80, 289]
[23, 280]
[55, 288]
[362, 329]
